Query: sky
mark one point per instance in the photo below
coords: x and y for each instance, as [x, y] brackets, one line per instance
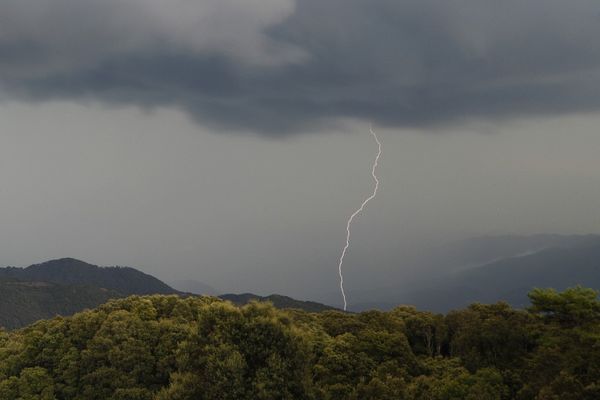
[227, 141]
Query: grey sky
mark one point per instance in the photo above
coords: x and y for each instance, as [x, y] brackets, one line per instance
[275, 66]
[227, 141]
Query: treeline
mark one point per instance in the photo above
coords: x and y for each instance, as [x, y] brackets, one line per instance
[171, 348]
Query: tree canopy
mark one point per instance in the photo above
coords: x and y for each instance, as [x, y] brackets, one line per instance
[172, 348]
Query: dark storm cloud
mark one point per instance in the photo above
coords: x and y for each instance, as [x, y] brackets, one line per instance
[269, 67]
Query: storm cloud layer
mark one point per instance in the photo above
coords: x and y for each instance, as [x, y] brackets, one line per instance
[278, 66]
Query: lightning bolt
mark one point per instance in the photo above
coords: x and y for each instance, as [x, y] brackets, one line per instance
[358, 211]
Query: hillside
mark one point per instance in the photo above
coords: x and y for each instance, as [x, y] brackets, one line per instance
[69, 271]
[66, 286]
[278, 301]
[173, 348]
[22, 303]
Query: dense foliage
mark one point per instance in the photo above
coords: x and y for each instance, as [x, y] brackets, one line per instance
[166, 347]
[277, 300]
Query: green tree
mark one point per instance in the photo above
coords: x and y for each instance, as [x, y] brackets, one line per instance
[492, 335]
[575, 306]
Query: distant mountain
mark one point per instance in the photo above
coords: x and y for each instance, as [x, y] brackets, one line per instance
[278, 301]
[195, 287]
[422, 268]
[69, 271]
[511, 278]
[22, 303]
[562, 261]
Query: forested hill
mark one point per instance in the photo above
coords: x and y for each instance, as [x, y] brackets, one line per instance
[22, 303]
[278, 301]
[66, 286]
[69, 271]
[201, 348]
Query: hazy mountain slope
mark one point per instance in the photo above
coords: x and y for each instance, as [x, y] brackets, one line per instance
[508, 279]
[22, 303]
[69, 271]
[278, 301]
[558, 268]
[476, 251]
[422, 269]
